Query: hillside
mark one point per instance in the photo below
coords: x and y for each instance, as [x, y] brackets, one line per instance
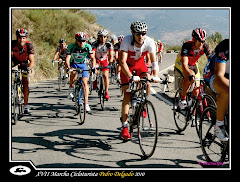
[45, 28]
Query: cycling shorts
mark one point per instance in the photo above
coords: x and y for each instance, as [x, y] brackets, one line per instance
[82, 66]
[103, 63]
[139, 68]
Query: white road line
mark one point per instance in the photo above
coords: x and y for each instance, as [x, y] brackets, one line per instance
[158, 95]
[161, 97]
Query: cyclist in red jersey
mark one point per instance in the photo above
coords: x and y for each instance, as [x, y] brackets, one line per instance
[186, 63]
[23, 56]
[101, 48]
[133, 50]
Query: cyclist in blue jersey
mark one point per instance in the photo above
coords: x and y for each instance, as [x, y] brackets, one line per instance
[77, 53]
[216, 75]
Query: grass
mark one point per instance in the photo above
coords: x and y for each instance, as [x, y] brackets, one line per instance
[46, 27]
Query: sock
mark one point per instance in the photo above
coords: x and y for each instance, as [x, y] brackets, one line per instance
[219, 123]
[106, 93]
[125, 124]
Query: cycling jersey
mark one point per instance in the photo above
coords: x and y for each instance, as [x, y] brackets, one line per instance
[77, 53]
[102, 50]
[62, 52]
[135, 59]
[220, 55]
[20, 54]
[193, 55]
[136, 55]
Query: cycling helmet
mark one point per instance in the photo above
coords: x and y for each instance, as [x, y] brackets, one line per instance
[61, 41]
[102, 32]
[113, 37]
[79, 36]
[120, 38]
[91, 40]
[199, 34]
[139, 27]
[22, 32]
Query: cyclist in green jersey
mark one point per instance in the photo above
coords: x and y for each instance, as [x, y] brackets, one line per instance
[77, 53]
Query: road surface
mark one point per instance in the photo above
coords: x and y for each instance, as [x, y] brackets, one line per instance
[51, 136]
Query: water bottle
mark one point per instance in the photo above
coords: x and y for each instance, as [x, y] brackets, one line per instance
[134, 103]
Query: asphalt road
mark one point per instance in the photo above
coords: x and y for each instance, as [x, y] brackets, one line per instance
[51, 136]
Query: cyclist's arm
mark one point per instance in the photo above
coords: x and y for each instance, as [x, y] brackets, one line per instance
[110, 56]
[55, 56]
[186, 71]
[153, 59]
[93, 59]
[31, 59]
[68, 60]
[123, 63]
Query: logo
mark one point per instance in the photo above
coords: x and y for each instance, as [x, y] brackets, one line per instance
[20, 170]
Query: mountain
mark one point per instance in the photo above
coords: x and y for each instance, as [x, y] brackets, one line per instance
[171, 26]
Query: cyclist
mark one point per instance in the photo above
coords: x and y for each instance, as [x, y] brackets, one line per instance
[159, 50]
[23, 56]
[101, 48]
[185, 65]
[77, 52]
[117, 53]
[216, 75]
[61, 52]
[133, 50]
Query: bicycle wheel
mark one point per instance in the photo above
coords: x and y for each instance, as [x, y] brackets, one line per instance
[213, 149]
[147, 129]
[102, 93]
[82, 104]
[178, 114]
[205, 101]
[15, 105]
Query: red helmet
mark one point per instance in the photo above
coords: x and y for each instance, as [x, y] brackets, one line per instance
[79, 36]
[22, 32]
[199, 34]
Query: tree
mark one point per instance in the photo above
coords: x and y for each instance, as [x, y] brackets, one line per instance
[217, 37]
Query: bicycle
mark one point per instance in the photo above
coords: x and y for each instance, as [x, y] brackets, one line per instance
[143, 116]
[61, 74]
[195, 107]
[79, 96]
[100, 86]
[17, 96]
[213, 149]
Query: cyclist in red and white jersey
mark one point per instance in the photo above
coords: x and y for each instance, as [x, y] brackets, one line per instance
[101, 48]
[133, 50]
[117, 54]
[23, 55]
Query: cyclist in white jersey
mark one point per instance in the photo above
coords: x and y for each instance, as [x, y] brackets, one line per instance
[133, 50]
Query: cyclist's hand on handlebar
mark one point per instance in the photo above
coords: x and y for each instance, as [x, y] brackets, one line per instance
[156, 79]
[135, 78]
[191, 78]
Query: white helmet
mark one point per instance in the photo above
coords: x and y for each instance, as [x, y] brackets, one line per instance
[138, 26]
[102, 32]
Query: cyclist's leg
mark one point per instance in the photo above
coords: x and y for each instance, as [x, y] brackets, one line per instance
[105, 75]
[126, 96]
[196, 91]
[223, 98]
[186, 85]
[85, 77]
[25, 90]
[142, 71]
[73, 75]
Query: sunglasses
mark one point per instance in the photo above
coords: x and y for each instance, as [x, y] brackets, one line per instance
[102, 36]
[140, 33]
